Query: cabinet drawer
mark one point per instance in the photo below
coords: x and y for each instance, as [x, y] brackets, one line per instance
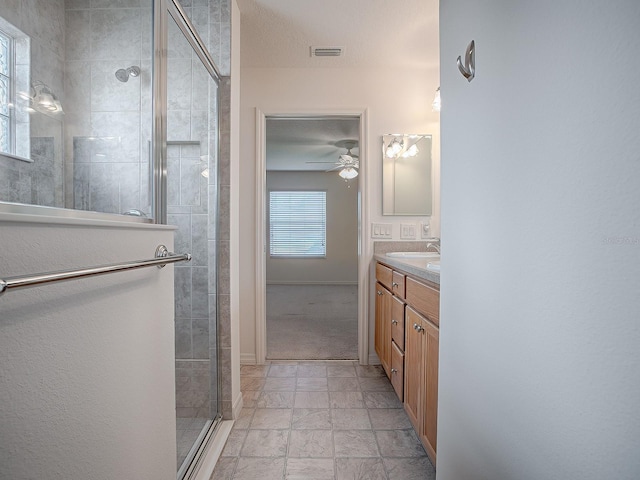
[424, 299]
[397, 284]
[384, 275]
[397, 322]
[397, 370]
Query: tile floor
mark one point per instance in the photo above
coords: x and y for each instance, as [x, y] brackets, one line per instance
[321, 421]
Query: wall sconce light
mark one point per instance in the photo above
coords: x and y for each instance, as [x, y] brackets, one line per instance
[412, 151]
[394, 148]
[42, 99]
[437, 103]
[401, 145]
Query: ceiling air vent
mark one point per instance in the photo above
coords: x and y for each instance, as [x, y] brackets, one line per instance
[327, 51]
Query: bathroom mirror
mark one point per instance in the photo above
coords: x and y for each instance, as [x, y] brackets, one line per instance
[406, 174]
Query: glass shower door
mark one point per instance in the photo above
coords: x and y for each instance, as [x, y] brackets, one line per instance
[191, 205]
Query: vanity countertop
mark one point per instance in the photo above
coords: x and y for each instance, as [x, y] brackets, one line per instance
[416, 267]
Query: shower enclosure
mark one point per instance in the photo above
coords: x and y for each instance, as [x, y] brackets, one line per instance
[111, 107]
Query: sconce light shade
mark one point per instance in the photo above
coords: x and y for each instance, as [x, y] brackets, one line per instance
[43, 100]
[437, 103]
[394, 148]
[412, 151]
[348, 173]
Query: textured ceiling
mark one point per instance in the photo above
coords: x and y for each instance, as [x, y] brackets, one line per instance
[374, 33]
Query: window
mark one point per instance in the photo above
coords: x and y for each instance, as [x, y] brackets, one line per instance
[15, 62]
[297, 224]
[6, 67]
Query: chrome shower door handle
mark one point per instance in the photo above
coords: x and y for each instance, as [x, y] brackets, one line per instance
[468, 70]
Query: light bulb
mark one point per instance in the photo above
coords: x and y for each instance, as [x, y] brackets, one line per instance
[389, 152]
[412, 151]
[45, 99]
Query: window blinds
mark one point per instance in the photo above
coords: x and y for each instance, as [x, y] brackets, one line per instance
[297, 223]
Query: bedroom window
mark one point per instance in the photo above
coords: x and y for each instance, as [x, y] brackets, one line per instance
[297, 224]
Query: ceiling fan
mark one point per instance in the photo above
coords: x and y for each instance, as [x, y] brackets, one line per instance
[348, 163]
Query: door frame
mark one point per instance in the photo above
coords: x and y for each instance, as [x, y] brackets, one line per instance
[363, 219]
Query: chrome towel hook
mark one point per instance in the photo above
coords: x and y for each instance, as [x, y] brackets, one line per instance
[468, 70]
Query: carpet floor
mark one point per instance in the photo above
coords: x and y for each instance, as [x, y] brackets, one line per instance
[312, 322]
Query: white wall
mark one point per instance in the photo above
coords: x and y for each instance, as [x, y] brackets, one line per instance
[539, 338]
[398, 101]
[341, 263]
[87, 377]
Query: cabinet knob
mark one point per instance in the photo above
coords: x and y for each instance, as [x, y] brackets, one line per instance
[394, 370]
[420, 329]
[379, 292]
[415, 326]
[394, 322]
[394, 285]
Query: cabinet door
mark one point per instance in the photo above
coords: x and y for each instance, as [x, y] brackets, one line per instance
[428, 430]
[413, 359]
[382, 338]
[397, 322]
[397, 370]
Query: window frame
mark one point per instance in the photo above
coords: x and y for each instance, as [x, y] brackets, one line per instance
[10, 77]
[270, 222]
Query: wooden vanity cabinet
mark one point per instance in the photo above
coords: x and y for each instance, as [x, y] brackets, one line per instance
[407, 321]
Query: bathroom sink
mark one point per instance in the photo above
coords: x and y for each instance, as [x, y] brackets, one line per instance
[413, 254]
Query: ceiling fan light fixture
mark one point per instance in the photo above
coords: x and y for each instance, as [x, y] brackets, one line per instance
[348, 173]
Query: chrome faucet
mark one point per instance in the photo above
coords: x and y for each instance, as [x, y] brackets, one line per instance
[434, 243]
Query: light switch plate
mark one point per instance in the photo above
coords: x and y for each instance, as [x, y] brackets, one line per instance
[425, 230]
[408, 231]
[381, 230]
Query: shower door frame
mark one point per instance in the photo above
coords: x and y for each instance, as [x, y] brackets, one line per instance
[163, 12]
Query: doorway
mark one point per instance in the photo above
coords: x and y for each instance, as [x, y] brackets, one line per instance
[309, 292]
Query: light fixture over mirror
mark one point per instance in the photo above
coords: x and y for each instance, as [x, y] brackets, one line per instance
[406, 174]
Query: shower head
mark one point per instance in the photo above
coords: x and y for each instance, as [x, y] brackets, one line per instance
[124, 74]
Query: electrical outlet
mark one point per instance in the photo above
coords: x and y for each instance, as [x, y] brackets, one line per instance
[407, 231]
[381, 230]
[425, 230]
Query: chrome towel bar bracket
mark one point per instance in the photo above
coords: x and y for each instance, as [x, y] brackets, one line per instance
[162, 258]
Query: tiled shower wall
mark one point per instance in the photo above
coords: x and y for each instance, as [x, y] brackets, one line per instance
[108, 122]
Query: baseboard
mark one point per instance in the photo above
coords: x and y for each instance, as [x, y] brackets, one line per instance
[236, 407]
[214, 450]
[248, 359]
[302, 282]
